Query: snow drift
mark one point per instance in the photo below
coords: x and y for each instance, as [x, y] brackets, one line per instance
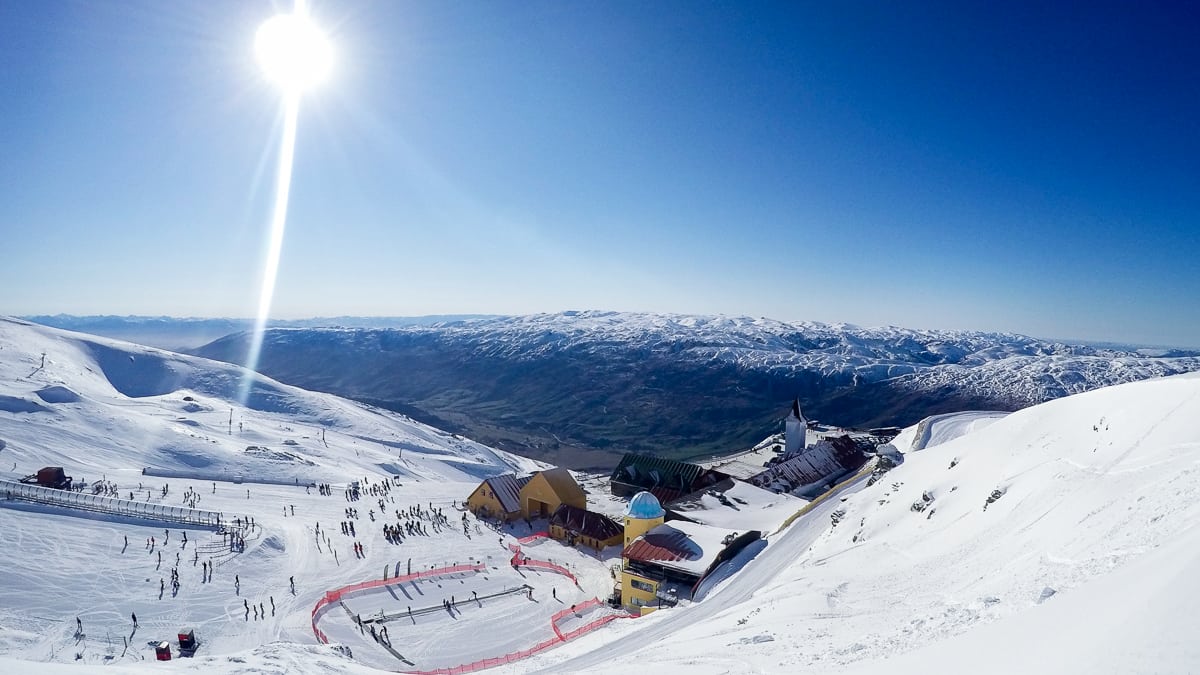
[1056, 539]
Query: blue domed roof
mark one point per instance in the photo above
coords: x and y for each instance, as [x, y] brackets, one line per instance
[644, 505]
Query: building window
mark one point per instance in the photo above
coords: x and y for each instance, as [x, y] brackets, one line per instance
[641, 585]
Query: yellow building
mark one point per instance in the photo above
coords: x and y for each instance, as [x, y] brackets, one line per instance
[509, 496]
[498, 497]
[576, 526]
[549, 489]
[644, 514]
[664, 563]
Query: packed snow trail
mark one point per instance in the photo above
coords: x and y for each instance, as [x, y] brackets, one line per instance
[939, 429]
[781, 552]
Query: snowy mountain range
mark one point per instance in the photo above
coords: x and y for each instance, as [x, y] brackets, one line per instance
[177, 333]
[579, 388]
[90, 402]
[1057, 539]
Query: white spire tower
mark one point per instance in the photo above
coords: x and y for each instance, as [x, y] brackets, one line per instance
[795, 431]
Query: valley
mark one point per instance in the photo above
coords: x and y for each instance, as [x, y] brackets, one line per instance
[581, 388]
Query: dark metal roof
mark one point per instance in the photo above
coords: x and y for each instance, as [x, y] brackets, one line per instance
[656, 473]
[507, 488]
[586, 523]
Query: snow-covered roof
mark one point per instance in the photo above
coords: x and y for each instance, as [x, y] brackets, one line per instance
[828, 458]
[740, 506]
[691, 548]
[740, 466]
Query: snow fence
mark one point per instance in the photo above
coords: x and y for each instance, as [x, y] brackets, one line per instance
[109, 505]
[559, 638]
[536, 536]
[519, 559]
[332, 598]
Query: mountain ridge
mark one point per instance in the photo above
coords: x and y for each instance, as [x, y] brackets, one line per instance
[580, 388]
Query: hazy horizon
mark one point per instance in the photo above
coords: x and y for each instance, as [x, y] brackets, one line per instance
[1094, 342]
[1027, 170]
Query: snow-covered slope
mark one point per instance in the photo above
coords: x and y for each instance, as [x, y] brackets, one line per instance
[92, 404]
[1058, 539]
[1082, 561]
[108, 410]
[679, 385]
[938, 429]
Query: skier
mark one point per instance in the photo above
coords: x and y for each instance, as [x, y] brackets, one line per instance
[134, 617]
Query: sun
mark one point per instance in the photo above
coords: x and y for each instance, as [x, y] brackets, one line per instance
[296, 56]
[293, 52]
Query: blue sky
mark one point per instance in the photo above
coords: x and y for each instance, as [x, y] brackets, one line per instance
[1034, 170]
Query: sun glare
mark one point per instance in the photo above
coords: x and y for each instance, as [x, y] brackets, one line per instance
[296, 56]
[293, 52]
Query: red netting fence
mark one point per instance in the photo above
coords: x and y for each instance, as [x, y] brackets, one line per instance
[332, 597]
[541, 646]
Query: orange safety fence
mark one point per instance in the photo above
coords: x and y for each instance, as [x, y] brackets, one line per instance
[518, 559]
[542, 564]
[541, 646]
[593, 625]
[334, 596]
[588, 604]
[516, 548]
[489, 663]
